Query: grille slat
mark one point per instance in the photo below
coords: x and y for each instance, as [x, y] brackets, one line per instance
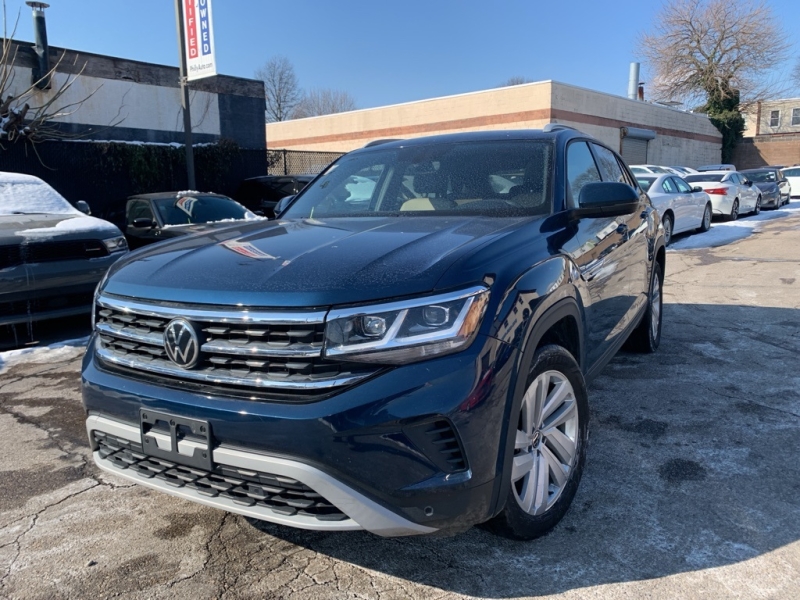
[282, 495]
[285, 355]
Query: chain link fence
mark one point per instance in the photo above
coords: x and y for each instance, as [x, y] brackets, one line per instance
[298, 162]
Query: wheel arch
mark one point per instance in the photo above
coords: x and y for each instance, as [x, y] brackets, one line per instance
[555, 325]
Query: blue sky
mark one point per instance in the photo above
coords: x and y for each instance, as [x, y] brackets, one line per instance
[384, 52]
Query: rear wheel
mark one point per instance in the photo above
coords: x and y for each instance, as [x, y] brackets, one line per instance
[705, 224]
[647, 335]
[757, 208]
[550, 431]
[734, 214]
[667, 222]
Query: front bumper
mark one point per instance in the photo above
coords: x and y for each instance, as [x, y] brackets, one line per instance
[360, 449]
[362, 513]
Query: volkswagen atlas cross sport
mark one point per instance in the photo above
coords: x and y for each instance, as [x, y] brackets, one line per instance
[405, 349]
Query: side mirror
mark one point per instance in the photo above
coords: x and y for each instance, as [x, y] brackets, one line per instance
[83, 206]
[697, 188]
[259, 213]
[748, 183]
[607, 199]
[143, 223]
[283, 204]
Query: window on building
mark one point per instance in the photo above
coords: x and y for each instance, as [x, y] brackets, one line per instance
[796, 116]
[774, 118]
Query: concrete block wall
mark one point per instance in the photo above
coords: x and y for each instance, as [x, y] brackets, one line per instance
[682, 138]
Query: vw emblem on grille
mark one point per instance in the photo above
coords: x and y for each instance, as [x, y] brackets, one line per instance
[181, 343]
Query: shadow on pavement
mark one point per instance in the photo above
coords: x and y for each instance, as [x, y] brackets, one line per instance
[692, 464]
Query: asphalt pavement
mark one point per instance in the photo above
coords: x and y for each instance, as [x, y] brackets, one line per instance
[691, 487]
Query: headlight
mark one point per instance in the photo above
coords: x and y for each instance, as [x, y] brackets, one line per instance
[116, 244]
[96, 296]
[406, 331]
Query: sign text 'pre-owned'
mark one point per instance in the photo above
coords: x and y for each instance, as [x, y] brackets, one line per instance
[199, 33]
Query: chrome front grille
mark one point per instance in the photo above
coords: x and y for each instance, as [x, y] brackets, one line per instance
[249, 349]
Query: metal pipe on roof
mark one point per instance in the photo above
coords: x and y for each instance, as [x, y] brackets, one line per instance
[633, 80]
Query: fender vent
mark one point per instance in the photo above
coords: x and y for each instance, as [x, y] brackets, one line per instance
[439, 441]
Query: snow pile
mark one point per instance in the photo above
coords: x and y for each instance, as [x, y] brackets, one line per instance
[59, 351]
[721, 234]
[26, 194]
[74, 225]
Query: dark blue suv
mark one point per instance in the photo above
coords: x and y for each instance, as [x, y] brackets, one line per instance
[404, 350]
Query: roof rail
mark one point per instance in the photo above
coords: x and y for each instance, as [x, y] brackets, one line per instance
[556, 127]
[384, 141]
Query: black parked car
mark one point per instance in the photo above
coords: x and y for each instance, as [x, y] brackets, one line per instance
[51, 255]
[263, 193]
[775, 188]
[405, 350]
[152, 218]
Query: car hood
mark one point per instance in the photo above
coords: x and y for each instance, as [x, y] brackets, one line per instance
[306, 262]
[769, 187]
[43, 227]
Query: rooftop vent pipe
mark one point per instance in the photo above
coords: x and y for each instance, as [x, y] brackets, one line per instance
[40, 75]
[633, 80]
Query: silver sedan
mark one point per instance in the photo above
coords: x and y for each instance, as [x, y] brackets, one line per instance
[681, 207]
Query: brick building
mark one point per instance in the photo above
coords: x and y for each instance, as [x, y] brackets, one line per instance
[771, 135]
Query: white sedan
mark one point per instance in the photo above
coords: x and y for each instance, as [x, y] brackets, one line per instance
[681, 208]
[651, 170]
[731, 192]
[793, 175]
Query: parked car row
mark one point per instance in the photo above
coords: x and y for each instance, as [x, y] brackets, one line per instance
[688, 198]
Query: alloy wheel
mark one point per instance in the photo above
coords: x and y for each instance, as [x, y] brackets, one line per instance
[546, 443]
[757, 209]
[707, 218]
[667, 231]
[735, 210]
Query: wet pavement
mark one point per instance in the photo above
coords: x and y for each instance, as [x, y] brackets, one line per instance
[691, 487]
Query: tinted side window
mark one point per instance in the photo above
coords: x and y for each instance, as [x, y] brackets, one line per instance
[668, 186]
[683, 187]
[581, 170]
[608, 164]
[139, 209]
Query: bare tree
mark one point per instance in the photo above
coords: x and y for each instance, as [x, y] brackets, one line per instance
[26, 111]
[281, 88]
[324, 102]
[516, 80]
[702, 50]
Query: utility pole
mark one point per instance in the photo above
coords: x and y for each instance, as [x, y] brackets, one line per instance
[187, 116]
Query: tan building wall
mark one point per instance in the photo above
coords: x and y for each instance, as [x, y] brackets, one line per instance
[681, 138]
[774, 117]
[764, 150]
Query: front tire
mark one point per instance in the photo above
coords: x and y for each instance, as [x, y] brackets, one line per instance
[757, 208]
[550, 429]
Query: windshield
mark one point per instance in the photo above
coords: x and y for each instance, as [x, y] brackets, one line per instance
[478, 178]
[762, 176]
[199, 209]
[704, 177]
[645, 182]
[32, 198]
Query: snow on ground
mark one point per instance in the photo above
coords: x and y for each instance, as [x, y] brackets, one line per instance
[43, 354]
[723, 233]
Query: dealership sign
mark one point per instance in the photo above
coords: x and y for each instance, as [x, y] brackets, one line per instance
[199, 34]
